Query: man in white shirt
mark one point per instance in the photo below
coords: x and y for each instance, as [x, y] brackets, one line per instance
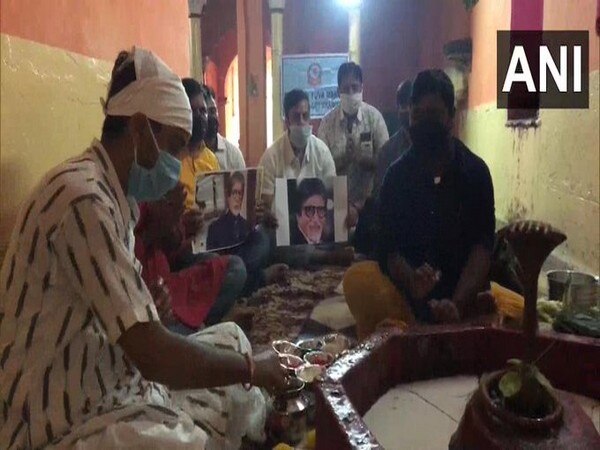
[297, 154]
[354, 131]
[85, 361]
[229, 155]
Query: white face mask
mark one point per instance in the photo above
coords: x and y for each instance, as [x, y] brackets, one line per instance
[351, 102]
[299, 135]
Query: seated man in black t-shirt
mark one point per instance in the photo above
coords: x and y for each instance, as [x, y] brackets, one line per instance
[436, 223]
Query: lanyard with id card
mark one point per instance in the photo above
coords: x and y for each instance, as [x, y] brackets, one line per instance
[366, 144]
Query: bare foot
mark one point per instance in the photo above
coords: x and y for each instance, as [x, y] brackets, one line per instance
[486, 303]
[276, 273]
[481, 305]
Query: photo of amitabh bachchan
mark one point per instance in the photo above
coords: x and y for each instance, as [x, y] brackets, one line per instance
[231, 228]
[310, 212]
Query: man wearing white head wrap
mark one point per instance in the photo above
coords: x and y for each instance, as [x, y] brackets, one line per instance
[84, 360]
[156, 92]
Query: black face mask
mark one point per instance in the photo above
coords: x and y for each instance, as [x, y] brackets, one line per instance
[198, 130]
[212, 127]
[430, 136]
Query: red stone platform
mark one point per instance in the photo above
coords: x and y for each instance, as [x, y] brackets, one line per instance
[358, 379]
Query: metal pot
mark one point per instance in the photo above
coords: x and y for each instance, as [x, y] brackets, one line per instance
[576, 289]
[288, 419]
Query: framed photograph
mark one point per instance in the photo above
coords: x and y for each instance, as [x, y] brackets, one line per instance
[311, 211]
[227, 201]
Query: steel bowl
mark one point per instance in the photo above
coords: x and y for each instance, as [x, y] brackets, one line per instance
[309, 373]
[310, 345]
[282, 347]
[290, 363]
[575, 289]
[319, 358]
[336, 344]
[288, 418]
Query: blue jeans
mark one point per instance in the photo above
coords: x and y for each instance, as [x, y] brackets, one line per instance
[231, 289]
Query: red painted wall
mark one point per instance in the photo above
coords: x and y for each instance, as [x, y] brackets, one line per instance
[101, 28]
[390, 49]
[314, 26]
[398, 37]
[439, 23]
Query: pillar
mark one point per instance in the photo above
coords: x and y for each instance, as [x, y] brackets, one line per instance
[196, 7]
[252, 80]
[354, 33]
[276, 7]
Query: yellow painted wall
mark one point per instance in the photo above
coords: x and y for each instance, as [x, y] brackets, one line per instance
[549, 173]
[56, 58]
[50, 110]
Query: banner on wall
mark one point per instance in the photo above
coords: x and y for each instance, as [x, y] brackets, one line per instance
[317, 76]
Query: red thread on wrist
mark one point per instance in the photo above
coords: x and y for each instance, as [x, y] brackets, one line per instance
[251, 368]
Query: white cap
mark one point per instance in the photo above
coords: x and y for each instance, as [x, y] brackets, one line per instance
[156, 92]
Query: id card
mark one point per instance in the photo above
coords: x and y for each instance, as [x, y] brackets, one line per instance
[366, 144]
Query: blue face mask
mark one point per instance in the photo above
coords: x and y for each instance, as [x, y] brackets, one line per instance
[147, 185]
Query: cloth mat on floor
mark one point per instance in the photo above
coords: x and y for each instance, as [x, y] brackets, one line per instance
[282, 309]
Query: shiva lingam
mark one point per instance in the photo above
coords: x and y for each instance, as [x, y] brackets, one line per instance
[517, 407]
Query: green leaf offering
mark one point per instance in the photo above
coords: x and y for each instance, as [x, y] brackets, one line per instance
[510, 384]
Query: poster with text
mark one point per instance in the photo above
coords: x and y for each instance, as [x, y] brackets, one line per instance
[227, 201]
[317, 76]
[311, 211]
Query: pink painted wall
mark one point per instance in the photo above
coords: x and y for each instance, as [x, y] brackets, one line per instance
[101, 28]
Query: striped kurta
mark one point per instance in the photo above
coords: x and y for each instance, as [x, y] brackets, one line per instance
[70, 286]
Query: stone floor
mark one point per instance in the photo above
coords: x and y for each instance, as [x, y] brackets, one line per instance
[424, 415]
[421, 415]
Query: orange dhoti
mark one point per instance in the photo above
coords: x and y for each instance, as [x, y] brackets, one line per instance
[373, 299]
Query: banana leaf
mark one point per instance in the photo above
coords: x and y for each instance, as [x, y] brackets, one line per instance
[579, 323]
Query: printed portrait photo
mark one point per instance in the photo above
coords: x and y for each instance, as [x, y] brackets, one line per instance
[228, 202]
[311, 220]
[311, 211]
